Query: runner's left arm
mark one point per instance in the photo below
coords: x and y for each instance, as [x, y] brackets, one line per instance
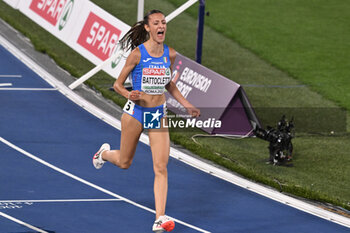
[174, 91]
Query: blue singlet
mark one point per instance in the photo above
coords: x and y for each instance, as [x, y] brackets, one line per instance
[150, 76]
[152, 73]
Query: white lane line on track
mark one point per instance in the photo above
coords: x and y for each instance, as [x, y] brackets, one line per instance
[59, 200]
[5, 84]
[10, 76]
[22, 223]
[91, 184]
[26, 89]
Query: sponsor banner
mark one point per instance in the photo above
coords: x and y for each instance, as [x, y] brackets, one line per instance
[59, 17]
[206, 90]
[13, 3]
[96, 37]
[85, 27]
[195, 81]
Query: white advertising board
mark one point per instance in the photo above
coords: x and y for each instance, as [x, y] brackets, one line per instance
[13, 3]
[96, 35]
[56, 16]
[82, 25]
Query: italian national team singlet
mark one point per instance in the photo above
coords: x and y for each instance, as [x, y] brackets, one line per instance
[152, 73]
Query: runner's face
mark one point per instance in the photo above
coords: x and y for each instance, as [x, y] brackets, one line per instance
[156, 27]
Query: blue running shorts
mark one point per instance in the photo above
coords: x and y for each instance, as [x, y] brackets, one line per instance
[150, 118]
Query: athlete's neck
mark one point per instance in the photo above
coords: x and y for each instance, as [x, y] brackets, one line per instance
[154, 48]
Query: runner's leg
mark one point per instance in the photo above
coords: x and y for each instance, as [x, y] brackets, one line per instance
[160, 147]
[130, 134]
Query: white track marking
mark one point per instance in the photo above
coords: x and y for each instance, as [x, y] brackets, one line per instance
[10, 76]
[91, 184]
[22, 223]
[5, 84]
[27, 89]
[59, 200]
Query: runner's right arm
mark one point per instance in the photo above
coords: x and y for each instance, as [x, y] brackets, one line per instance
[132, 60]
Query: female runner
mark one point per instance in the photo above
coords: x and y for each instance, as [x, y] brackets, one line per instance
[150, 64]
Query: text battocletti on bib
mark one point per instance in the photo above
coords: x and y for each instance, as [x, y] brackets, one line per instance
[154, 80]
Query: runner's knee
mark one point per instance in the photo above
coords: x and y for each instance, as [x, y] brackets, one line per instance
[125, 162]
[160, 168]
[124, 165]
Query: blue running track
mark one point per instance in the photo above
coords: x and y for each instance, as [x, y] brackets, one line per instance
[42, 131]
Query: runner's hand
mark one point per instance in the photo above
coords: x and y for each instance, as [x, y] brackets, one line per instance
[134, 95]
[194, 112]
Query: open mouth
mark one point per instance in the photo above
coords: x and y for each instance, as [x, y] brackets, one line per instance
[160, 33]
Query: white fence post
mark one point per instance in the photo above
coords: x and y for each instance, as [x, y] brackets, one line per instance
[140, 10]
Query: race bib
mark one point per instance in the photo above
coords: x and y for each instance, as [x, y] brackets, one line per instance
[129, 107]
[154, 80]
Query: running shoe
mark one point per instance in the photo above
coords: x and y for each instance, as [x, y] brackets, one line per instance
[163, 223]
[97, 160]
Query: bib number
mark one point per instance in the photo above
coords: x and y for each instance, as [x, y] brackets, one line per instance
[129, 107]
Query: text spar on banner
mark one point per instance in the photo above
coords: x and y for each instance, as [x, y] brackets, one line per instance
[98, 36]
[57, 17]
[82, 25]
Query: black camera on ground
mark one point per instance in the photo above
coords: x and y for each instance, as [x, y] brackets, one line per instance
[280, 139]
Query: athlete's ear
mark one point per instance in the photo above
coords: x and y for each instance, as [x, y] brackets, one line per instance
[146, 28]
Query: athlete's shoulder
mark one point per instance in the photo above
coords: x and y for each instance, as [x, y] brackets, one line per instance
[172, 52]
[135, 56]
